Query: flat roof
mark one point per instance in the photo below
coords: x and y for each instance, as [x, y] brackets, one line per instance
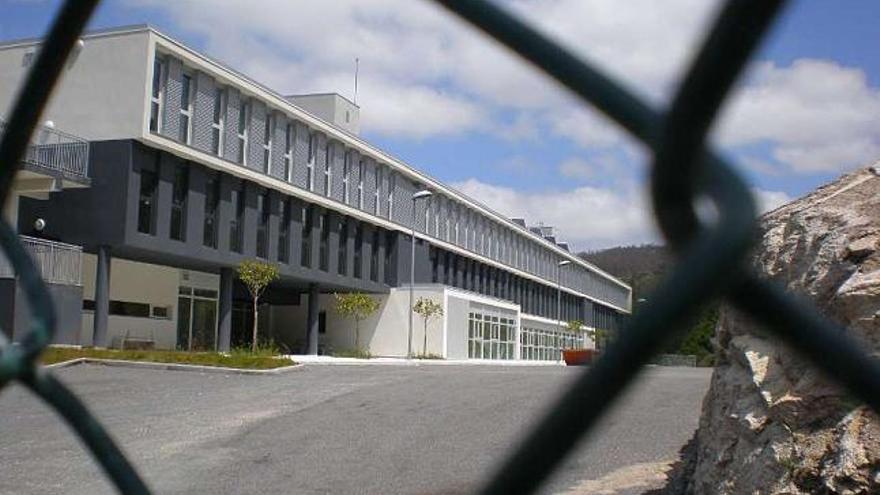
[139, 28]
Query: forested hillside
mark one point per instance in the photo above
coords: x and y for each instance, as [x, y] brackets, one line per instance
[642, 267]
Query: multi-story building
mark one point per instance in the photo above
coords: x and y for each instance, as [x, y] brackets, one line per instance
[194, 167]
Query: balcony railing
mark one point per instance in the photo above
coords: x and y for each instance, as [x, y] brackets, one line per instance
[57, 151]
[57, 262]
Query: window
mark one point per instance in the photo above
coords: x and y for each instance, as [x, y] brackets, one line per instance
[127, 308]
[284, 231]
[358, 250]
[236, 224]
[218, 122]
[263, 225]
[391, 183]
[374, 257]
[342, 264]
[243, 115]
[547, 345]
[310, 163]
[162, 312]
[147, 201]
[377, 193]
[346, 173]
[360, 191]
[390, 237]
[156, 95]
[328, 161]
[324, 252]
[267, 143]
[180, 188]
[288, 151]
[306, 247]
[212, 202]
[185, 108]
[491, 336]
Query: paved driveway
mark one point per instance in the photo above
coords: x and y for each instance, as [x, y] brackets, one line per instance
[333, 429]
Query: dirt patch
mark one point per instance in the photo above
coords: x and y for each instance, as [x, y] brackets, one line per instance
[646, 476]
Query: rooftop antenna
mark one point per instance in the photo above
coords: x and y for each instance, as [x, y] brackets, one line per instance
[356, 67]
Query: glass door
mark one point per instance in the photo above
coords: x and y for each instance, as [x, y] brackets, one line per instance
[197, 319]
[204, 325]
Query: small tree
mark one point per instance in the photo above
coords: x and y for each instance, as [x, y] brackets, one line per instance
[575, 326]
[256, 276]
[427, 309]
[599, 336]
[356, 306]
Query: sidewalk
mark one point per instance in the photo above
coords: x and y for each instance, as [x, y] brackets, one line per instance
[396, 361]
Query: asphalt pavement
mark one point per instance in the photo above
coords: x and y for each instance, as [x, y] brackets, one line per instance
[335, 429]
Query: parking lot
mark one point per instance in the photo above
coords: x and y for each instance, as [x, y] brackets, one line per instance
[333, 429]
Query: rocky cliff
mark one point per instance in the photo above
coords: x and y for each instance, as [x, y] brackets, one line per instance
[771, 422]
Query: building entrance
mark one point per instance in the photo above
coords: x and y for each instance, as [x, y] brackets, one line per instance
[197, 319]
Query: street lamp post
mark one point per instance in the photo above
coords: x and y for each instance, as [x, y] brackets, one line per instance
[559, 266]
[423, 194]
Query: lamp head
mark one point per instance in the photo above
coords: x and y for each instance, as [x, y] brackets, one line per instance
[424, 193]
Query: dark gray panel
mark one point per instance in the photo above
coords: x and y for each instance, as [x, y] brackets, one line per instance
[203, 113]
[171, 108]
[233, 106]
[256, 133]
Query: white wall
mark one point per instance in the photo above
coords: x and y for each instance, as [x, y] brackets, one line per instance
[384, 333]
[136, 282]
[101, 94]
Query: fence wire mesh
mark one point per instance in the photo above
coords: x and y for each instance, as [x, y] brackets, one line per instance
[710, 259]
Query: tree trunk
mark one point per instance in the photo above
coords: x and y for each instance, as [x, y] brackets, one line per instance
[425, 342]
[256, 317]
[357, 334]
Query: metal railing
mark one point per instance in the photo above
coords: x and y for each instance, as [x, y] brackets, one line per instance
[710, 259]
[57, 151]
[57, 262]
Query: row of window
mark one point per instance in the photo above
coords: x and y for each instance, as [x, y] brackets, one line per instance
[130, 308]
[491, 336]
[547, 345]
[443, 218]
[147, 212]
[534, 298]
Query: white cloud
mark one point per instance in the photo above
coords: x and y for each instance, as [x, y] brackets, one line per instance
[426, 73]
[816, 116]
[770, 200]
[586, 217]
[577, 168]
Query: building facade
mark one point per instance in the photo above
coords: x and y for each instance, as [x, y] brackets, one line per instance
[194, 167]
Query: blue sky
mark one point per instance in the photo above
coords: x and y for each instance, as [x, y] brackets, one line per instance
[449, 102]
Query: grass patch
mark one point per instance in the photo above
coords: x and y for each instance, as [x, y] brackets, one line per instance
[263, 359]
[428, 356]
[352, 353]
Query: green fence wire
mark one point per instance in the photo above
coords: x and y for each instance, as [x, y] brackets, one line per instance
[710, 259]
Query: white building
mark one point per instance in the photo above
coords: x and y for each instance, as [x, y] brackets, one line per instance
[194, 167]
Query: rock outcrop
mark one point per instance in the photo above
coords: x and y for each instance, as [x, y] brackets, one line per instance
[771, 422]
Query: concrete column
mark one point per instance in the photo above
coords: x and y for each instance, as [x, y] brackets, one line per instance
[312, 321]
[10, 210]
[102, 297]
[224, 320]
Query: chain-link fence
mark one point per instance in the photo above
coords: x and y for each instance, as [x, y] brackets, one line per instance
[711, 259]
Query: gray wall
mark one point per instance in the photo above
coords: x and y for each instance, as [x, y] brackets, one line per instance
[15, 313]
[107, 214]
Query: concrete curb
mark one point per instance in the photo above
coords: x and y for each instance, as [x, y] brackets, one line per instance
[379, 361]
[174, 366]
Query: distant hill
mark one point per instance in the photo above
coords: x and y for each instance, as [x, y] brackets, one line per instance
[639, 266]
[642, 267]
